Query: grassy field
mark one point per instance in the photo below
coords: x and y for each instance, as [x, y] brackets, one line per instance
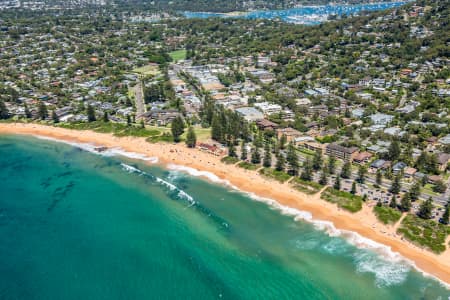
[166, 137]
[307, 187]
[386, 214]
[274, 174]
[118, 129]
[147, 70]
[248, 166]
[202, 134]
[229, 160]
[345, 200]
[178, 55]
[425, 233]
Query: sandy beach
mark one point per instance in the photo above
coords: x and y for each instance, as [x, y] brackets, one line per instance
[363, 222]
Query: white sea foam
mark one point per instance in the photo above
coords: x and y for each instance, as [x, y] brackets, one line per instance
[197, 173]
[390, 268]
[171, 186]
[384, 275]
[131, 169]
[108, 152]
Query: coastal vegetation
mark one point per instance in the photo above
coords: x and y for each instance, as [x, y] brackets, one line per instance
[247, 166]
[307, 187]
[274, 174]
[386, 214]
[229, 160]
[424, 233]
[345, 200]
[118, 129]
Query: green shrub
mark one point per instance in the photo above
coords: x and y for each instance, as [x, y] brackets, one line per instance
[274, 174]
[345, 200]
[386, 214]
[425, 233]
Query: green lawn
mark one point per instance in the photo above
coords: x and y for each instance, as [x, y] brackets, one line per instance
[307, 187]
[429, 189]
[248, 166]
[229, 160]
[147, 70]
[118, 129]
[178, 55]
[202, 134]
[345, 200]
[425, 233]
[274, 174]
[386, 214]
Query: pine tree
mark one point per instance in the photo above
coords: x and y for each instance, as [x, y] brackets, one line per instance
[393, 203]
[445, 217]
[331, 164]
[426, 208]
[280, 163]
[396, 186]
[323, 177]
[91, 114]
[244, 154]
[379, 178]
[414, 192]
[353, 190]
[337, 183]
[292, 159]
[346, 171]
[55, 117]
[216, 129]
[405, 203]
[177, 128]
[282, 142]
[256, 156]
[394, 150]
[191, 138]
[105, 117]
[231, 150]
[267, 161]
[361, 174]
[317, 160]
[4, 113]
[307, 170]
[42, 111]
[28, 114]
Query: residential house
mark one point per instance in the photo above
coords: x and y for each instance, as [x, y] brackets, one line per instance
[398, 167]
[362, 157]
[381, 119]
[379, 164]
[443, 161]
[409, 172]
[250, 113]
[264, 124]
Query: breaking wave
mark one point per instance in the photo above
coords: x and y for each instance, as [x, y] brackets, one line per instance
[388, 267]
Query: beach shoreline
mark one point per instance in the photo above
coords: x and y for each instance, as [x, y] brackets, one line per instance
[363, 223]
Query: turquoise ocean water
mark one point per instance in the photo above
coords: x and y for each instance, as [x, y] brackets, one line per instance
[77, 225]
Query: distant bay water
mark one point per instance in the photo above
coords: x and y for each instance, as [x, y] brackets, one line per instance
[309, 15]
[77, 225]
